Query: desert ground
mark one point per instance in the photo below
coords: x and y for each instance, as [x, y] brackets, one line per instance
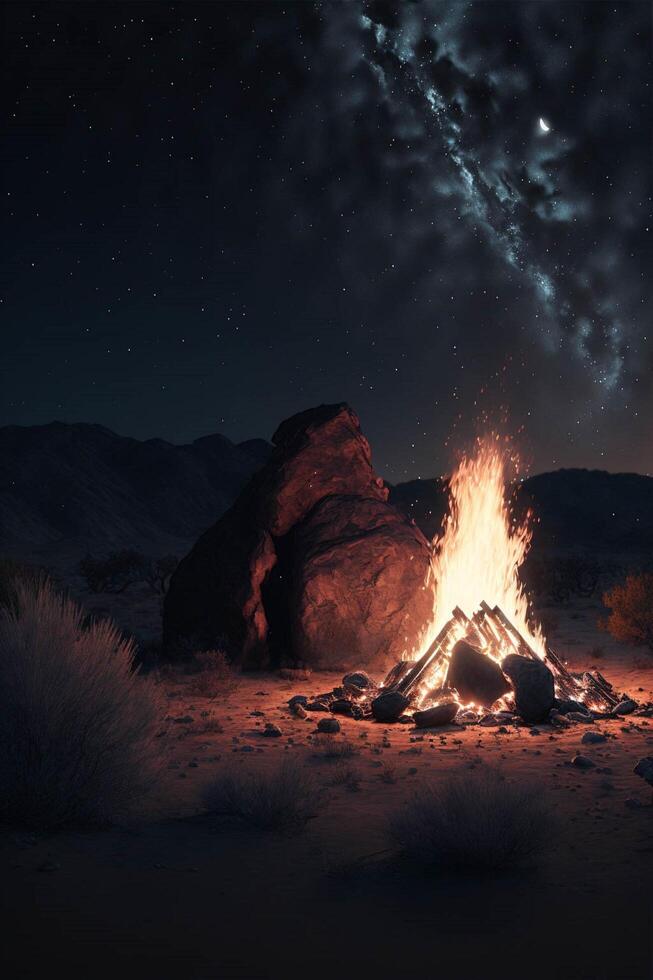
[175, 892]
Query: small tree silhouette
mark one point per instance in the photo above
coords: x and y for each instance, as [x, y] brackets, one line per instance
[631, 610]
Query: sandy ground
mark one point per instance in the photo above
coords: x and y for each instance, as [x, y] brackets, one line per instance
[177, 894]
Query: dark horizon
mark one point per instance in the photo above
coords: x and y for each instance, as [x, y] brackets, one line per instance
[525, 473]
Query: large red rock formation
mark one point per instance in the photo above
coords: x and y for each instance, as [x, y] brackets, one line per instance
[311, 563]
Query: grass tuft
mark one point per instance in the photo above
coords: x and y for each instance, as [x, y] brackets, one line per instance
[475, 821]
[283, 800]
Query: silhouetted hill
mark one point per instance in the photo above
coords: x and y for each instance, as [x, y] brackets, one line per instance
[83, 487]
[575, 509]
[71, 488]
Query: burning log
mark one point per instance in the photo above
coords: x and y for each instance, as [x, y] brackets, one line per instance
[428, 660]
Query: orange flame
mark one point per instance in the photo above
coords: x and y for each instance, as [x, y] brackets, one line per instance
[480, 551]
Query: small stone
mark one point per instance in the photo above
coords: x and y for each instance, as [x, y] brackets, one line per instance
[48, 866]
[625, 707]
[580, 716]
[357, 679]
[644, 768]
[330, 726]
[389, 705]
[593, 738]
[582, 762]
[299, 711]
[342, 706]
[440, 714]
[633, 804]
[297, 699]
[271, 731]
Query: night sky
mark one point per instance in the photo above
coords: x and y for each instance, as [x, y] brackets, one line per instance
[216, 215]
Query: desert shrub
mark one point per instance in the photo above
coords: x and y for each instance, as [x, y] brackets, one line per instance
[631, 610]
[346, 776]
[295, 673]
[331, 747]
[115, 573]
[77, 724]
[206, 674]
[562, 578]
[13, 574]
[158, 572]
[474, 820]
[283, 800]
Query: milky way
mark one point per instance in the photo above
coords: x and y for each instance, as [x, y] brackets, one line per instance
[222, 214]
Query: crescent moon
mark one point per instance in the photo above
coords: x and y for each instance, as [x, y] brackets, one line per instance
[544, 126]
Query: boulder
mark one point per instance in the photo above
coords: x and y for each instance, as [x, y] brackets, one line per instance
[532, 682]
[316, 515]
[440, 714]
[361, 585]
[644, 768]
[358, 680]
[389, 705]
[625, 707]
[475, 676]
[328, 726]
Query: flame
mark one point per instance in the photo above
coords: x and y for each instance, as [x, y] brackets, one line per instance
[480, 551]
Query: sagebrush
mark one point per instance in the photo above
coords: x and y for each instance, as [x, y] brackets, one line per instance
[631, 610]
[77, 723]
[282, 800]
[474, 820]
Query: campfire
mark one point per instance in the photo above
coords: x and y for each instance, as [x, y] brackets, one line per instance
[485, 652]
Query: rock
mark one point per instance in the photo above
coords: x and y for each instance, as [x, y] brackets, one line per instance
[440, 714]
[564, 706]
[532, 682]
[468, 717]
[475, 676]
[299, 710]
[633, 803]
[582, 762]
[361, 588]
[318, 516]
[318, 706]
[341, 706]
[593, 738]
[271, 731]
[558, 719]
[297, 699]
[330, 726]
[644, 768]
[49, 866]
[389, 705]
[582, 717]
[625, 707]
[358, 680]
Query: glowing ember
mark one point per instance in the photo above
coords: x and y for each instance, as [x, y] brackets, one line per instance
[480, 551]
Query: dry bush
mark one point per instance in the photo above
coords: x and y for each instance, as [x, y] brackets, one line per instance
[388, 775]
[295, 673]
[283, 800]
[474, 820]
[631, 610]
[206, 674]
[346, 776]
[13, 574]
[212, 676]
[77, 723]
[331, 747]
